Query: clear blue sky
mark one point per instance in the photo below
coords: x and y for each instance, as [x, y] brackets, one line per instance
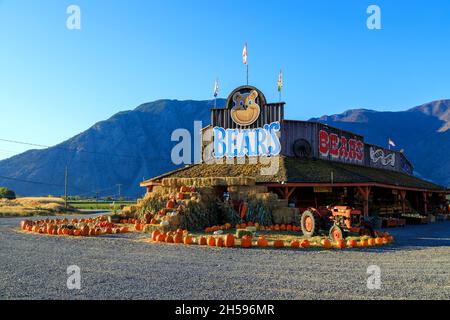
[55, 82]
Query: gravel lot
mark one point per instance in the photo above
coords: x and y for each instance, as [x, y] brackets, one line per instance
[124, 267]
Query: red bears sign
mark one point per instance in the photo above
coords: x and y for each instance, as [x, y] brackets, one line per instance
[341, 148]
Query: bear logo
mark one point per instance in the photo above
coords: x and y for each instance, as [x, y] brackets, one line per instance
[245, 110]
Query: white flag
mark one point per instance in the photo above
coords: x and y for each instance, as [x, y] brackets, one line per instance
[244, 54]
[216, 88]
[391, 143]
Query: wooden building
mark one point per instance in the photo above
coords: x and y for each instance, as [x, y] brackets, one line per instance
[316, 164]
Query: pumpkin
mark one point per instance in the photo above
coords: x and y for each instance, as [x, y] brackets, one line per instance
[385, 240]
[84, 231]
[60, 231]
[243, 225]
[363, 243]
[340, 244]
[246, 242]
[208, 230]
[250, 224]
[155, 234]
[227, 226]
[288, 227]
[170, 204]
[229, 241]
[50, 229]
[178, 238]
[183, 189]
[202, 241]
[124, 229]
[108, 230]
[76, 232]
[277, 227]
[24, 224]
[278, 244]
[187, 240]
[371, 242]
[180, 196]
[305, 243]
[238, 226]
[92, 232]
[326, 243]
[283, 227]
[379, 241]
[169, 239]
[219, 242]
[211, 241]
[161, 237]
[295, 244]
[352, 243]
[262, 242]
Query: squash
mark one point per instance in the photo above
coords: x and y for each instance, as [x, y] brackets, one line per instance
[278, 244]
[155, 235]
[187, 240]
[352, 243]
[326, 243]
[262, 242]
[295, 244]
[211, 241]
[229, 241]
[246, 242]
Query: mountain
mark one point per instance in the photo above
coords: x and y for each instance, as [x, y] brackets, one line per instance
[133, 145]
[124, 149]
[423, 132]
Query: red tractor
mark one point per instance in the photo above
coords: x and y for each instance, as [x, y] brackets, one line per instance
[338, 221]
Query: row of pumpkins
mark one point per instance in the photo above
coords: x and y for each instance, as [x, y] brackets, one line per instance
[276, 227]
[247, 241]
[82, 227]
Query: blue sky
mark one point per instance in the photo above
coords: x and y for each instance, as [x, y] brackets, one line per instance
[55, 82]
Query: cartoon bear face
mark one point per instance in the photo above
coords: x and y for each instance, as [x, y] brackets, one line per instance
[245, 110]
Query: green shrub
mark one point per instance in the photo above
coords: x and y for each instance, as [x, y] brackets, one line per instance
[7, 193]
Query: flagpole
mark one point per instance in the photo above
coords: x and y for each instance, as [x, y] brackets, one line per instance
[247, 73]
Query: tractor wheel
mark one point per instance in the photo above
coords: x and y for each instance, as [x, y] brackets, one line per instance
[367, 231]
[336, 233]
[310, 224]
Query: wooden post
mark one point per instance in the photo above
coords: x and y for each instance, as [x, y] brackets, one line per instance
[403, 197]
[425, 203]
[365, 192]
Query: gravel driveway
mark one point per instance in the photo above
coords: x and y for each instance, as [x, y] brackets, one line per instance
[123, 267]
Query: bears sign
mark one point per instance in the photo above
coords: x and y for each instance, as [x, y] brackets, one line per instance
[341, 148]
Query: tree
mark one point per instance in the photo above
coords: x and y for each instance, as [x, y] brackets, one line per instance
[6, 193]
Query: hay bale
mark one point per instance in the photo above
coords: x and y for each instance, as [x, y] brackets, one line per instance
[267, 196]
[285, 215]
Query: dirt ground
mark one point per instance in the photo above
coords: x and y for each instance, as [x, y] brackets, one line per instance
[123, 266]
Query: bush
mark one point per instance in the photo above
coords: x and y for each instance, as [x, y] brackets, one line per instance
[6, 193]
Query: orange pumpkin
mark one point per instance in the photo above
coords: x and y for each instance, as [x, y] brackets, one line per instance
[363, 243]
[183, 189]
[60, 231]
[352, 243]
[211, 241]
[208, 230]
[180, 196]
[229, 241]
[262, 242]
[340, 244]
[371, 242]
[84, 231]
[76, 232]
[24, 224]
[202, 241]
[108, 230]
[295, 244]
[124, 229]
[305, 243]
[178, 238]
[246, 242]
[92, 232]
[155, 234]
[219, 242]
[379, 241]
[169, 239]
[326, 243]
[289, 227]
[170, 204]
[243, 225]
[187, 240]
[250, 224]
[278, 244]
[238, 226]
[161, 238]
[277, 227]
[283, 227]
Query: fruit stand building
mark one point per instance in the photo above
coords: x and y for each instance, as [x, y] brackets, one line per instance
[311, 164]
